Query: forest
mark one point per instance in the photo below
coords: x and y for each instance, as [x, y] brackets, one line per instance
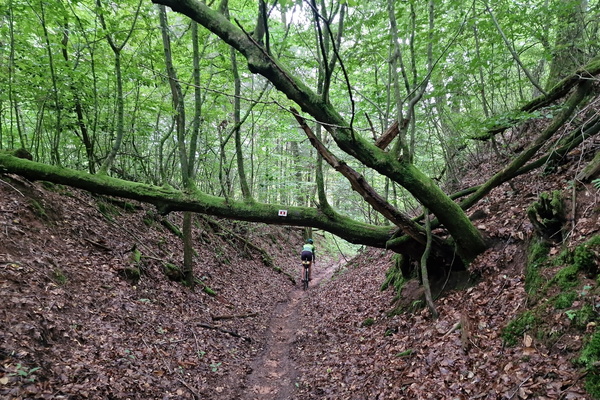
[391, 125]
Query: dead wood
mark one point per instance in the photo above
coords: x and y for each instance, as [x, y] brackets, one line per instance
[388, 136]
[547, 216]
[361, 186]
[592, 170]
[100, 245]
[221, 317]
[217, 328]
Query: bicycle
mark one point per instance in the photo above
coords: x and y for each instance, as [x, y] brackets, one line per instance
[305, 272]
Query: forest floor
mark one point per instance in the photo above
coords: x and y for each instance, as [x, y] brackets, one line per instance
[274, 372]
[78, 323]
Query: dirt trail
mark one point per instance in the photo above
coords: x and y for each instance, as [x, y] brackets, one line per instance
[273, 373]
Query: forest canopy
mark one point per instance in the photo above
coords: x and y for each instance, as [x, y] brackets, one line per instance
[353, 117]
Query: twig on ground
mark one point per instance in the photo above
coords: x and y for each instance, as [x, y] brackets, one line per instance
[232, 333]
[196, 395]
[12, 187]
[220, 317]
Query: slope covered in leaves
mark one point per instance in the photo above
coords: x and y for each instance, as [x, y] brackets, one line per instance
[351, 347]
[77, 323]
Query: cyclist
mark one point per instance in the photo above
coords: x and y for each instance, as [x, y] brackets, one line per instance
[308, 254]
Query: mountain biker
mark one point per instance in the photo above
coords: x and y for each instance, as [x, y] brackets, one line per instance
[308, 254]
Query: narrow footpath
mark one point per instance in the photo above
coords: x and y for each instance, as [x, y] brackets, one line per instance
[274, 373]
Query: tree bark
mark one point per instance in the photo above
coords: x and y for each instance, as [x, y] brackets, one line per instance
[568, 50]
[592, 170]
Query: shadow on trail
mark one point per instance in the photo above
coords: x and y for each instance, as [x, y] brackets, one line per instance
[273, 375]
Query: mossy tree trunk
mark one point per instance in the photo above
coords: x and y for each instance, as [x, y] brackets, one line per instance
[168, 199]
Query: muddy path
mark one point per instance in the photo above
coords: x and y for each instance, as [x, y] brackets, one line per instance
[274, 373]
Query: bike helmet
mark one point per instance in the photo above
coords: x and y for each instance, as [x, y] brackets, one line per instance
[309, 241]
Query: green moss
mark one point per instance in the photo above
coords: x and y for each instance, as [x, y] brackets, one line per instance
[48, 185]
[38, 209]
[405, 353]
[537, 257]
[148, 222]
[588, 359]
[538, 251]
[513, 332]
[132, 273]
[590, 355]
[557, 203]
[592, 383]
[566, 278]
[136, 256]
[173, 272]
[584, 256]
[565, 300]
[565, 257]
[129, 207]
[584, 315]
[108, 210]
[547, 215]
[59, 277]
[368, 322]
[393, 276]
[209, 291]
[591, 352]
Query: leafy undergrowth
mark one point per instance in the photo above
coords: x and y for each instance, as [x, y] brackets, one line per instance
[78, 323]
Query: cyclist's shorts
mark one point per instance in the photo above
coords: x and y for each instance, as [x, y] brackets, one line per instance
[306, 255]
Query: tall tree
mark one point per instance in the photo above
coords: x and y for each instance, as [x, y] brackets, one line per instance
[117, 48]
[180, 124]
[568, 52]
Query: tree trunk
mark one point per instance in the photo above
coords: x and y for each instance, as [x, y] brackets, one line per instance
[55, 142]
[167, 199]
[179, 107]
[83, 134]
[120, 129]
[247, 196]
[568, 54]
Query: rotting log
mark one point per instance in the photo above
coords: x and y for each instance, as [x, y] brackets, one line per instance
[592, 170]
[547, 216]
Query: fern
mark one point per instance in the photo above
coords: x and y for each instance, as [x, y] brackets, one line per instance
[596, 183]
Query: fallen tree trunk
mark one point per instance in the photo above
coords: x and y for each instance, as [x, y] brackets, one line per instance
[167, 199]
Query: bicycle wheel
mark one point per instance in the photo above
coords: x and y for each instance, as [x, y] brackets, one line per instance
[305, 279]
